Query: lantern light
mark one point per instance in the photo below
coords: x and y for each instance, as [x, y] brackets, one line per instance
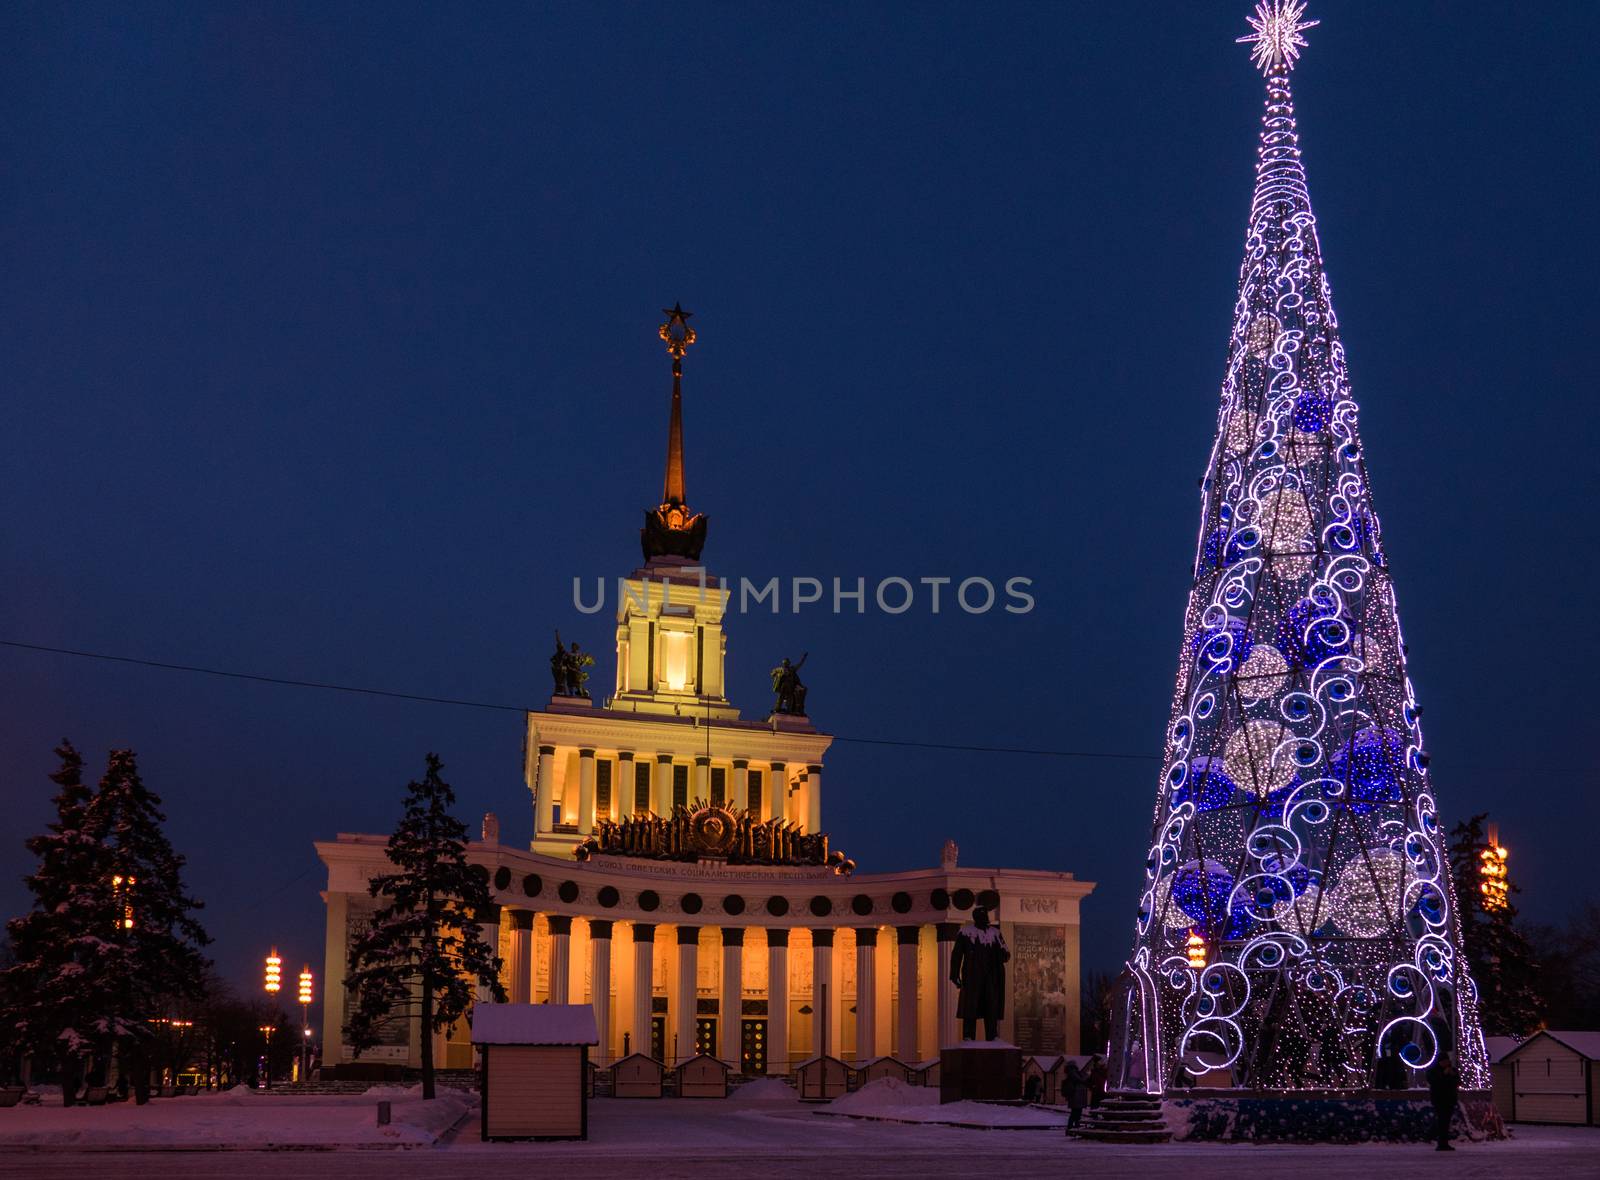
[1196, 950]
[305, 985]
[274, 972]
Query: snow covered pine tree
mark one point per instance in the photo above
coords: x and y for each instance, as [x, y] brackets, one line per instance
[155, 939]
[422, 957]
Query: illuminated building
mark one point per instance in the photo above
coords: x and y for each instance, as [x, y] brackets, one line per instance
[679, 878]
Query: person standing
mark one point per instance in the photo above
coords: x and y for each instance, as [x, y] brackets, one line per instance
[1077, 1086]
[1444, 1090]
[1097, 1080]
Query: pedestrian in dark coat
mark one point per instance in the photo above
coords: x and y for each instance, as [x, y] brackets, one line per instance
[1097, 1080]
[1444, 1090]
[1076, 1083]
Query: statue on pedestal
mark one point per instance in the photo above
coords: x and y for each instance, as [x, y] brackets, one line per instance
[978, 969]
[786, 684]
[567, 669]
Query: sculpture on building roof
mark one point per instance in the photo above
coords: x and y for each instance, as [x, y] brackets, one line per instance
[786, 684]
[567, 669]
[710, 831]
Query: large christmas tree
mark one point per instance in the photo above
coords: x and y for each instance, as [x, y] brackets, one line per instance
[1297, 925]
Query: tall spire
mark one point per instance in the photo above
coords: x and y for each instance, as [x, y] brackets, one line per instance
[671, 530]
[678, 335]
[1297, 924]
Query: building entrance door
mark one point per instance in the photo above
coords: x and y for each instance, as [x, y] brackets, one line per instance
[753, 1047]
[705, 1036]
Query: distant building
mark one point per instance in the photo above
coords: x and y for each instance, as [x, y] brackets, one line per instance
[679, 879]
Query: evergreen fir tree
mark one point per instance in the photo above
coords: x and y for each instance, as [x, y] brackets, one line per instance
[1502, 961]
[55, 991]
[422, 957]
[156, 938]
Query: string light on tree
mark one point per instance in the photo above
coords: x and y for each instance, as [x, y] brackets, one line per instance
[1296, 833]
[1492, 876]
[1277, 38]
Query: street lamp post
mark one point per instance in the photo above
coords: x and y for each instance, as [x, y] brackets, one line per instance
[305, 1022]
[274, 982]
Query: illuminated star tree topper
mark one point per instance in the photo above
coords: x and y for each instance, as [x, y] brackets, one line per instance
[1277, 38]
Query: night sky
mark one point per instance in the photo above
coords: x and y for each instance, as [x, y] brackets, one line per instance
[327, 350]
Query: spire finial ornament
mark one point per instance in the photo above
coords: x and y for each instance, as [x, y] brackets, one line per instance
[1277, 38]
[672, 530]
[678, 335]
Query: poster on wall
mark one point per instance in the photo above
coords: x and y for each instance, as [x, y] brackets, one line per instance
[394, 1035]
[1039, 988]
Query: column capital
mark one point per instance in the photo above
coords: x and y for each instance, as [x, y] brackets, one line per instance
[866, 936]
[688, 936]
[544, 749]
[644, 932]
[625, 755]
[522, 919]
[777, 936]
[947, 931]
[777, 766]
[822, 937]
[908, 935]
[702, 760]
[664, 758]
[741, 764]
[488, 915]
[814, 768]
[559, 923]
[733, 936]
[585, 752]
[600, 928]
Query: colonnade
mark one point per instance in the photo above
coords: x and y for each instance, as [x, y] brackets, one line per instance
[902, 1005]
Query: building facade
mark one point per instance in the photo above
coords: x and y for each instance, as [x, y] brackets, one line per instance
[679, 878]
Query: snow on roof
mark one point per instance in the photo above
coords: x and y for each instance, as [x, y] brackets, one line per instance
[534, 1024]
[1498, 1047]
[1585, 1043]
[1047, 1063]
[705, 1057]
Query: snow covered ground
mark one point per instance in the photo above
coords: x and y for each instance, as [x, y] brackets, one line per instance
[762, 1131]
[239, 1118]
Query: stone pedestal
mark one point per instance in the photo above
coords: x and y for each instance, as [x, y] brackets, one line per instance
[980, 1070]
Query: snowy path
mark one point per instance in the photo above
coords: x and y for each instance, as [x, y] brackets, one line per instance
[712, 1140]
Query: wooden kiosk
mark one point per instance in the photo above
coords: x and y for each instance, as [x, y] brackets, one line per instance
[534, 1061]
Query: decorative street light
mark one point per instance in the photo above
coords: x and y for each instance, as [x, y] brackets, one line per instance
[305, 1022]
[1195, 948]
[274, 973]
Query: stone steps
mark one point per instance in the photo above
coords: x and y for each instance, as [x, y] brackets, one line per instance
[1125, 1118]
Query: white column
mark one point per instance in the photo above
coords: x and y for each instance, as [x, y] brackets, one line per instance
[731, 1002]
[560, 958]
[778, 1002]
[644, 945]
[680, 1034]
[949, 1034]
[814, 799]
[700, 785]
[521, 966]
[585, 792]
[662, 786]
[777, 793]
[741, 784]
[600, 984]
[622, 786]
[866, 993]
[545, 797]
[906, 1011]
[824, 1002]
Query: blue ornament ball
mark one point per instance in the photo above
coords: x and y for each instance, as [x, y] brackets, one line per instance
[1372, 767]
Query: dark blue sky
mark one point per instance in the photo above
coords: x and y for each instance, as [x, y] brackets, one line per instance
[327, 345]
